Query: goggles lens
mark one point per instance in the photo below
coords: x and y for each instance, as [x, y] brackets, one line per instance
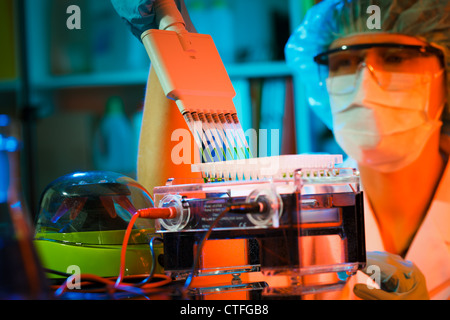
[382, 60]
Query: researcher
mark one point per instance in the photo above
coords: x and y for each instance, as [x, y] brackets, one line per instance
[376, 72]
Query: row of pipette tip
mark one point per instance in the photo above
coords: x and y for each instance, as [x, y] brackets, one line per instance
[275, 167]
[219, 136]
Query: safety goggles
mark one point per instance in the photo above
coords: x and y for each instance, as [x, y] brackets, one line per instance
[383, 60]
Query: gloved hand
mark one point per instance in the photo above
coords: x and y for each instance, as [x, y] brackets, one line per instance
[399, 279]
[139, 15]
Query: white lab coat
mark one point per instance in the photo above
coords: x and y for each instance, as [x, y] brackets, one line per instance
[430, 248]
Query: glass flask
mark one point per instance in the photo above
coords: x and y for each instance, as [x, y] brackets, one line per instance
[21, 273]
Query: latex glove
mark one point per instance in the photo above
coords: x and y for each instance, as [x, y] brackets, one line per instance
[139, 15]
[399, 279]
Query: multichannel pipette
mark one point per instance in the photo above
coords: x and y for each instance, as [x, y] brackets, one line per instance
[192, 74]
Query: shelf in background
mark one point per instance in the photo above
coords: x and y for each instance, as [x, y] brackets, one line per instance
[259, 69]
[9, 85]
[93, 80]
[121, 78]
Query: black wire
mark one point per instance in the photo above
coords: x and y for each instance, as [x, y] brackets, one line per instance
[255, 207]
[154, 259]
[200, 248]
[59, 273]
[143, 282]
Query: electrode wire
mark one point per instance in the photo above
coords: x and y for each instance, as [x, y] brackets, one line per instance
[116, 284]
[200, 248]
[165, 279]
[154, 258]
[255, 207]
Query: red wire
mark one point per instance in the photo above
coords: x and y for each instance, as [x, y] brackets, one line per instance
[111, 284]
[150, 213]
[123, 252]
[158, 213]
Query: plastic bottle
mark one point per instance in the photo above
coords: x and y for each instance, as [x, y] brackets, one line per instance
[199, 16]
[113, 140]
[221, 24]
[21, 273]
[109, 38]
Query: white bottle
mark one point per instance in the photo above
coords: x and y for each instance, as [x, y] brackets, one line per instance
[221, 23]
[198, 12]
[113, 141]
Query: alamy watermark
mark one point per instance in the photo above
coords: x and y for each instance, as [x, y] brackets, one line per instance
[73, 22]
[189, 146]
[374, 20]
[374, 273]
[75, 282]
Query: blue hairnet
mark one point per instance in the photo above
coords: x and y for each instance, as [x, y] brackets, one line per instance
[333, 19]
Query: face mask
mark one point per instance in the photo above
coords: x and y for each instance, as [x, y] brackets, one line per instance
[385, 130]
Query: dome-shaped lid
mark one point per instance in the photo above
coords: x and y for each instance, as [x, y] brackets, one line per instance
[92, 208]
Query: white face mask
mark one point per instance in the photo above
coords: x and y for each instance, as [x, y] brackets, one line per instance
[385, 130]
